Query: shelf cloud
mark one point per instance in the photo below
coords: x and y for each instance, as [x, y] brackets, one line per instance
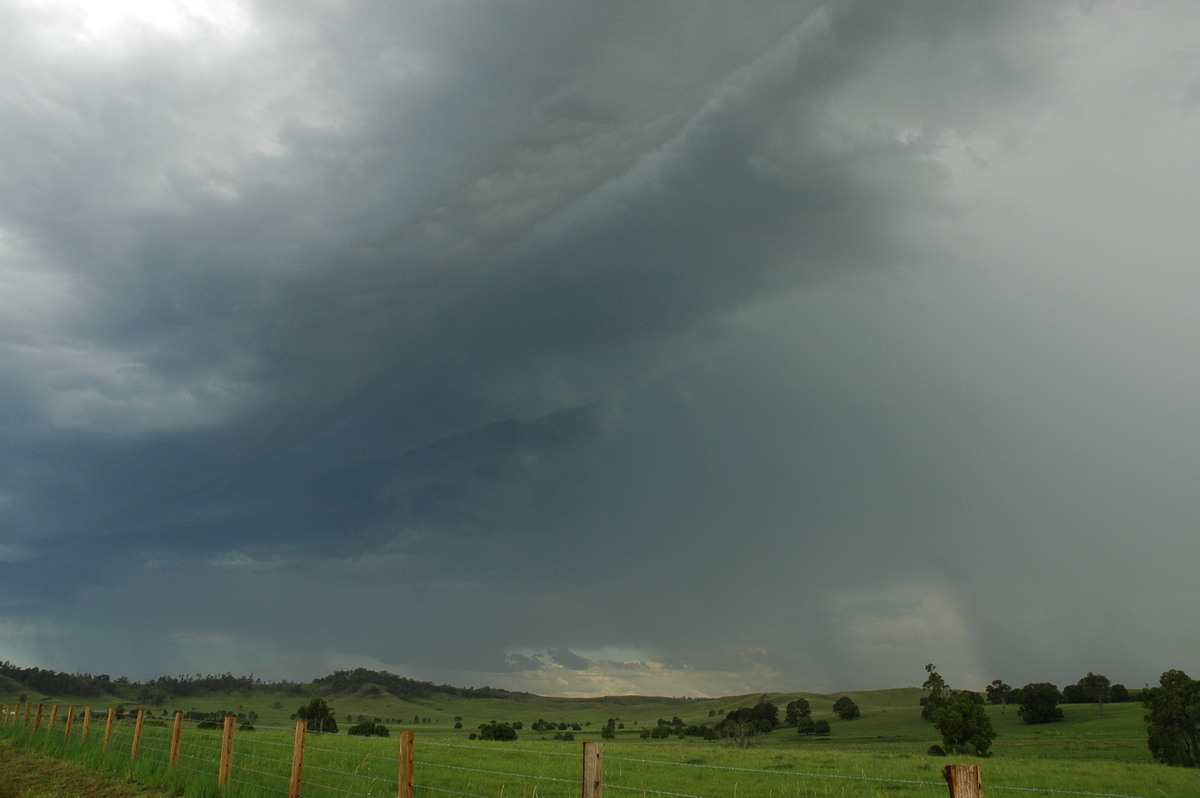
[632, 347]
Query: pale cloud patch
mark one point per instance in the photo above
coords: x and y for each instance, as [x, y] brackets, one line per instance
[619, 670]
[242, 561]
[903, 627]
[113, 27]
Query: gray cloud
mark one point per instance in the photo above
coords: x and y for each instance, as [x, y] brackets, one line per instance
[792, 349]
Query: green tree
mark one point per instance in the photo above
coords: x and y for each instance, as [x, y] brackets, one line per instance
[1173, 715]
[795, 710]
[1096, 688]
[964, 725]
[1039, 703]
[939, 692]
[806, 725]
[821, 728]
[999, 693]
[497, 731]
[845, 708]
[1074, 694]
[762, 717]
[318, 716]
[737, 733]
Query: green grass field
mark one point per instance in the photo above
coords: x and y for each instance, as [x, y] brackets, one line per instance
[883, 753]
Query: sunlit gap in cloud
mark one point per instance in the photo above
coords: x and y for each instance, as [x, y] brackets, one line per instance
[113, 24]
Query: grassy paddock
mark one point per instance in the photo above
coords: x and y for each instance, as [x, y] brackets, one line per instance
[881, 754]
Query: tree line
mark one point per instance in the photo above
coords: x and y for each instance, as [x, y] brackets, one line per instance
[1172, 717]
[161, 689]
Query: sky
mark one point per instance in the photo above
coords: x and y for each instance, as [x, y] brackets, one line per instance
[646, 346]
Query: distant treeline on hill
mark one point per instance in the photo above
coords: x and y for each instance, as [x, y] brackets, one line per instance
[83, 685]
[156, 691]
[403, 687]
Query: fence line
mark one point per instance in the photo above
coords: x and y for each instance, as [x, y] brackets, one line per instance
[157, 742]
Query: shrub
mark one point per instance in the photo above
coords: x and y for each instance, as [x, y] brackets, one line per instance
[497, 731]
[368, 728]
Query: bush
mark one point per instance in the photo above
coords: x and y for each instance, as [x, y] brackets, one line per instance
[821, 727]
[935, 750]
[497, 731]
[369, 728]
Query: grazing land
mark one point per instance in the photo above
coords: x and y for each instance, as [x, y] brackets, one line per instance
[883, 752]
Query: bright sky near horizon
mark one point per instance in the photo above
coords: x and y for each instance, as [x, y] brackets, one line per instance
[644, 346]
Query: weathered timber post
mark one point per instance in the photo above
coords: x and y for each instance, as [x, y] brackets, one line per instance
[407, 786]
[28, 709]
[176, 739]
[108, 726]
[226, 768]
[37, 722]
[593, 770]
[53, 718]
[87, 722]
[70, 722]
[298, 759]
[137, 735]
[966, 781]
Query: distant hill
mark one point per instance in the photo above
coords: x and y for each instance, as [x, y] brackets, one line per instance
[366, 685]
[363, 679]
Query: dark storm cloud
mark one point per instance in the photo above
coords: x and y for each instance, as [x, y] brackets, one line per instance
[746, 334]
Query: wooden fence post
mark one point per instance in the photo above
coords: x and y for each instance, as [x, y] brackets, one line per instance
[87, 722]
[108, 726]
[176, 739]
[28, 710]
[966, 781]
[407, 786]
[37, 723]
[137, 735]
[593, 770]
[226, 768]
[70, 722]
[53, 718]
[298, 759]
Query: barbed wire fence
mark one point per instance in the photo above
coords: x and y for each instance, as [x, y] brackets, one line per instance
[259, 761]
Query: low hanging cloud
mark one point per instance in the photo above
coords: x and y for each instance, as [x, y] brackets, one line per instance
[643, 347]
